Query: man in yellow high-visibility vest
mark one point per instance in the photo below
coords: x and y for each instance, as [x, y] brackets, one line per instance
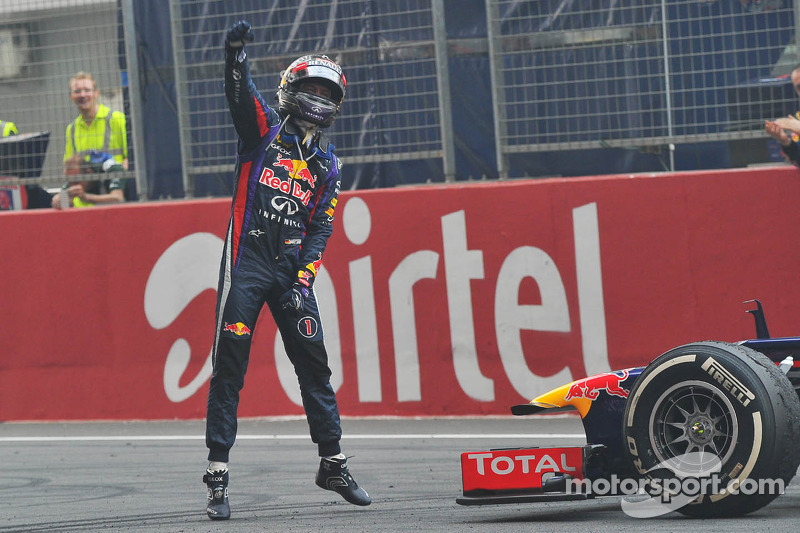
[96, 129]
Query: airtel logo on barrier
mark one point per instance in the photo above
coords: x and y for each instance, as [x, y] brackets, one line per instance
[190, 266]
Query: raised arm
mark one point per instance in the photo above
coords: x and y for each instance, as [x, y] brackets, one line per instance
[251, 115]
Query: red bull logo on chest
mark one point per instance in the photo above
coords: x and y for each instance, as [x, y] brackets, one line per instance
[297, 169]
[293, 188]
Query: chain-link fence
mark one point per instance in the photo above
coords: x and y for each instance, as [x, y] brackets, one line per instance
[583, 75]
[388, 50]
[467, 84]
[43, 43]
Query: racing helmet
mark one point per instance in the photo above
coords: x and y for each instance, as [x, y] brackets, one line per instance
[312, 108]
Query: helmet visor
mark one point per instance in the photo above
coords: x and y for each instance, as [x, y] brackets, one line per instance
[322, 69]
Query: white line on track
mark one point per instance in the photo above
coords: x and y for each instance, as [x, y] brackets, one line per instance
[404, 436]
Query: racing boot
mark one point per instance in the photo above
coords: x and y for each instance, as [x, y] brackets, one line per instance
[217, 507]
[334, 475]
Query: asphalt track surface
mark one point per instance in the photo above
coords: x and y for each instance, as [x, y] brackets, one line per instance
[146, 477]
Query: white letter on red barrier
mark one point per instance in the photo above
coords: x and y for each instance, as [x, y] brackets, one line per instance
[417, 266]
[460, 266]
[590, 289]
[357, 223]
[365, 324]
[511, 317]
[185, 269]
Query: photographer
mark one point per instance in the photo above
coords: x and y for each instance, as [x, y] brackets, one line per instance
[87, 193]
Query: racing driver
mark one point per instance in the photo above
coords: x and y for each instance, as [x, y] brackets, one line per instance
[285, 188]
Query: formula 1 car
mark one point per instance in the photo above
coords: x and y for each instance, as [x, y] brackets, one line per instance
[714, 416]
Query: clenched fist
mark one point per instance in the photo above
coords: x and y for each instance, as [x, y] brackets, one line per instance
[238, 34]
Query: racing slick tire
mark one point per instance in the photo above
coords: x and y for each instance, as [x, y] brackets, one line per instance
[718, 411]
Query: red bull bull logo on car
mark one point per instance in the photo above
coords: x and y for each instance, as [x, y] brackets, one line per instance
[238, 329]
[297, 170]
[590, 387]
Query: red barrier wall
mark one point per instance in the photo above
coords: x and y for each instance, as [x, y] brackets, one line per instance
[437, 300]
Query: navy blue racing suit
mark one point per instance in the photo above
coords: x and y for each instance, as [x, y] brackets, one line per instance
[792, 152]
[285, 193]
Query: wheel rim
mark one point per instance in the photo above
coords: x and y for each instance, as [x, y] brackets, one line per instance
[694, 426]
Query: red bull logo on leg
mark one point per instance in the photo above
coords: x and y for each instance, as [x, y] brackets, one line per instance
[590, 387]
[238, 329]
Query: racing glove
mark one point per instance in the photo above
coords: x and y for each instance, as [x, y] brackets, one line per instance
[295, 297]
[238, 35]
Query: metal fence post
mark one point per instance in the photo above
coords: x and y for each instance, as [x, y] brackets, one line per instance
[137, 127]
[494, 35]
[443, 81]
[181, 98]
[796, 6]
[667, 84]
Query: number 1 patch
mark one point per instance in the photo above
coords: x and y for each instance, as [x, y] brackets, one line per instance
[307, 326]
